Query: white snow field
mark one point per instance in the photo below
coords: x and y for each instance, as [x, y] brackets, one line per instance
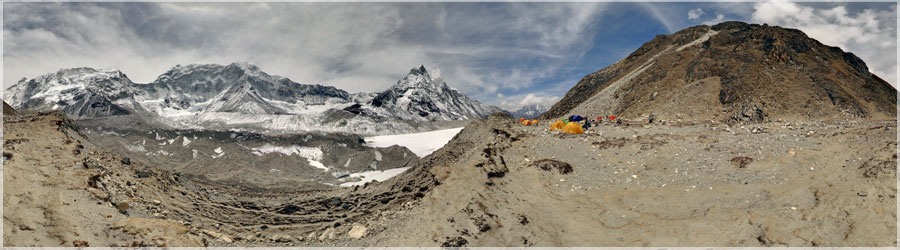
[421, 144]
[369, 176]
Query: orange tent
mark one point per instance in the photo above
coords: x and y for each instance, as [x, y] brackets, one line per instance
[533, 121]
[521, 119]
[557, 125]
[612, 117]
[573, 128]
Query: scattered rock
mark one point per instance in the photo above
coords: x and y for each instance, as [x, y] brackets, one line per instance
[98, 193]
[311, 236]
[327, 234]
[123, 207]
[212, 234]
[80, 243]
[142, 174]
[741, 161]
[548, 165]
[282, 238]
[126, 161]
[454, 242]
[357, 231]
[861, 193]
[220, 236]
[523, 220]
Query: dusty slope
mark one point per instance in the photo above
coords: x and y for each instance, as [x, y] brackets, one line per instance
[628, 186]
[61, 190]
[663, 186]
[733, 72]
[50, 200]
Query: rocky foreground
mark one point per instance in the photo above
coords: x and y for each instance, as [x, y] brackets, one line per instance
[497, 183]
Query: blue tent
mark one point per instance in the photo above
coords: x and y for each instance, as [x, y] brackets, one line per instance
[576, 118]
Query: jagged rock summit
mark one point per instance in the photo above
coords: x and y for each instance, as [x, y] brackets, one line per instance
[733, 72]
[424, 96]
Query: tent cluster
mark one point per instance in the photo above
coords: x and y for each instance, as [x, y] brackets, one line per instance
[576, 124]
[527, 122]
[567, 126]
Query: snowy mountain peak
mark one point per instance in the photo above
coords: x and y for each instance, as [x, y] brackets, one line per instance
[419, 77]
[418, 70]
[424, 96]
[239, 94]
[245, 66]
[530, 111]
[79, 91]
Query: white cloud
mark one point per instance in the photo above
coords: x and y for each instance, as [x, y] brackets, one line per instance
[719, 18]
[516, 102]
[869, 34]
[695, 14]
[353, 46]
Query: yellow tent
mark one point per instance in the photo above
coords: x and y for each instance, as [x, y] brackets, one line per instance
[557, 125]
[573, 128]
[533, 121]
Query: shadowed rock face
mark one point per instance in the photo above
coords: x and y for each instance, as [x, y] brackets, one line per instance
[733, 72]
[8, 110]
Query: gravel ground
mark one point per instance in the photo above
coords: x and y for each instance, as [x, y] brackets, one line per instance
[497, 183]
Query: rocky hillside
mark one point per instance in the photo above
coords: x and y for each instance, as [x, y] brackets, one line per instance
[733, 72]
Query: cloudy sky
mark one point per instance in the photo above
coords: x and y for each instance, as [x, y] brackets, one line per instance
[505, 54]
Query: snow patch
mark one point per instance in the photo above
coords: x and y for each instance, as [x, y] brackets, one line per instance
[312, 154]
[369, 176]
[421, 144]
[219, 152]
[185, 142]
[135, 148]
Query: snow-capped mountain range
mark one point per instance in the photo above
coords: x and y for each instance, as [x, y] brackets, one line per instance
[241, 96]
[530, 111]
